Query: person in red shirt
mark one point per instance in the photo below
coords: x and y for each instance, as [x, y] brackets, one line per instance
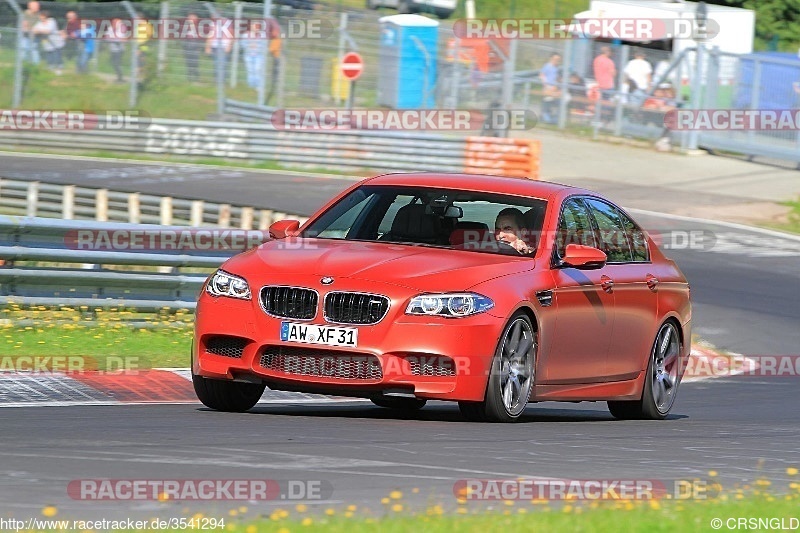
[605, 72]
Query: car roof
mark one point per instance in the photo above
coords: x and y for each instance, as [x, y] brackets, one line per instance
[479, 182]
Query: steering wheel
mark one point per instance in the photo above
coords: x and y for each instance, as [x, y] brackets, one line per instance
[506, 249]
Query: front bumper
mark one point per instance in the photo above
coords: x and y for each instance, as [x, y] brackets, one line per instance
[406, 347]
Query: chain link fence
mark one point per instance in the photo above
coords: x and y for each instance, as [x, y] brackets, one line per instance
[293, 67]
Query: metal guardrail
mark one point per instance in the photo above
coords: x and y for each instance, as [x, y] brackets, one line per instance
[70, 202]
[339, 149]
[51, 243]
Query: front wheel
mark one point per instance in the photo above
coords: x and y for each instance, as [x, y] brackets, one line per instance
[230, 396]
[661, 381]
[511, 377]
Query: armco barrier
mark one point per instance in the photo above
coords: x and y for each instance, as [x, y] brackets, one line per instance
[51, 243]
[372, 151]
[35, 199]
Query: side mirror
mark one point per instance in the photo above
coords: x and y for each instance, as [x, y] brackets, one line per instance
[284, 228]
[583, 257]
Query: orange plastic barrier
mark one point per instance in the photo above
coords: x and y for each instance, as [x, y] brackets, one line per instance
[516, 158]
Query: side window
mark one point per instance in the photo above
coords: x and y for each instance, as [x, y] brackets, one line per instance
[574, 227]
[637, 239]
[613, 237]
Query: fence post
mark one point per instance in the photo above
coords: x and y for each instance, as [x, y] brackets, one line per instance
[237, 16]
[618, 112]
[32, 198]
[134, 208]
[755, 96]
[247, 218]
[162, 42]
[101, 205]
[165, 211]
[563, 108]
[697, 92]
[262, 85]
[224, 217]
[16, 99]
[68, 203]
[196, 216]
[133, 94]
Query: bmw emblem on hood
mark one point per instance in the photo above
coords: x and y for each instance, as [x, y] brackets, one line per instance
[327, 280]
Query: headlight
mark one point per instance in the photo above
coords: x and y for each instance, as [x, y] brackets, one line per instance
[224, 284]
[449, 305]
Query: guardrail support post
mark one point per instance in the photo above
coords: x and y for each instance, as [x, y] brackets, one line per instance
[247, 218]
[224, 217]
[265, 219]
[196, 217]
[68, 203]
[101, 205]
[33, 198]
[165, 211]
[134, 208]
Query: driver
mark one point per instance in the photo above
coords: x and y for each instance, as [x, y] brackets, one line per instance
[509, 228]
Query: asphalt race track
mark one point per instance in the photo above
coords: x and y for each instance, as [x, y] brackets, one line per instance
[745, 286]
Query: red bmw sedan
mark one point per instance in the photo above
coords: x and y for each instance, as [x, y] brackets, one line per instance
[493, 292]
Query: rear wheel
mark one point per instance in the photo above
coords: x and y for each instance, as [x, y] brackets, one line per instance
[399, 404]
[228, 396]
[511, 377]
[661, 383]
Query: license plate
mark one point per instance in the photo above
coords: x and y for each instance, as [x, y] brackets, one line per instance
[313, 334]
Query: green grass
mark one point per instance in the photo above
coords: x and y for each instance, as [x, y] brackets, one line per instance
[792, 223]
[102, 336]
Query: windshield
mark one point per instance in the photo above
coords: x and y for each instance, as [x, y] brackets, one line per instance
[448, 218]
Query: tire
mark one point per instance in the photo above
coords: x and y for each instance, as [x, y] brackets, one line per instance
[515, 356]
[661, 381]
[229, 396]
[399, 404]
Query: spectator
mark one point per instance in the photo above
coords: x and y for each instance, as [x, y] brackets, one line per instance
[605, 72]
[51, 40]
[192, 48]
[72, 36]
[218, 46]
[255, 47]
[116, 47]
[86, 44]
[275, 47]
[640, 74]
[509, 227]
[143, 32]
[549, 74]
[30, 44]
[577, 93]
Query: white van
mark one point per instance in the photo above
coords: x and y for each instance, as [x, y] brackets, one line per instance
[441, 8]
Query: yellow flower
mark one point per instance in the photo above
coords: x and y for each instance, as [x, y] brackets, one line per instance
[792, 471]
[251, 529]
[712, 473]
[50, 511]
[384, 501]
[163, 496]
[397, 507]
[330, 512]
[567, 509]
[395, 495]
[306, 521]
[301, 508]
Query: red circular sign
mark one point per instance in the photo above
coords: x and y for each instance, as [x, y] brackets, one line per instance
[351, 66]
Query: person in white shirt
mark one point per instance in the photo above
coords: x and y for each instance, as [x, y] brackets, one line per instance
[639, 73]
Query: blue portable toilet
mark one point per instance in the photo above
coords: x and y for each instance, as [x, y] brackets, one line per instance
[407, 54]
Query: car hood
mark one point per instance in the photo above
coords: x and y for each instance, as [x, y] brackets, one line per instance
[418, 267]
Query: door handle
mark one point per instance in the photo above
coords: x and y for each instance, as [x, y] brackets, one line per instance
[652, 282]
[606, 283]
